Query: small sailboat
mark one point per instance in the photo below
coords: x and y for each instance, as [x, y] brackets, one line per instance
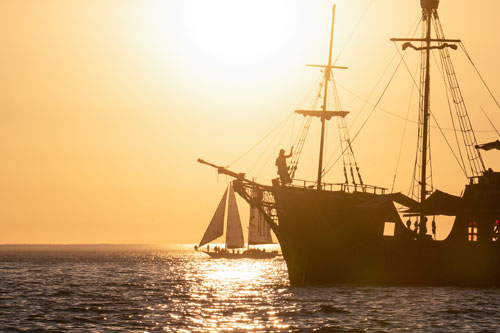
[258, 231]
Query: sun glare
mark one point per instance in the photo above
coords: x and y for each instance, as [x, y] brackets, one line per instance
[234, 32]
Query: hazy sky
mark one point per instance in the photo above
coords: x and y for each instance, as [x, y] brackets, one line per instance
[106, 105]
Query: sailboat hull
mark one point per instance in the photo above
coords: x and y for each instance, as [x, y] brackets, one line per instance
[242, 255]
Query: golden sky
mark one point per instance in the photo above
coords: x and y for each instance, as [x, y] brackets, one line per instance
[106, 105]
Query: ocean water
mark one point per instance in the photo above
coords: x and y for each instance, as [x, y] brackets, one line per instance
[139, 289]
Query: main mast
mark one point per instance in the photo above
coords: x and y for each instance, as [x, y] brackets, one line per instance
[429, 13]
[428, 6]
[328, 70]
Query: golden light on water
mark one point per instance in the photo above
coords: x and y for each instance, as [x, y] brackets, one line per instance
[224, 284]
[228, 271]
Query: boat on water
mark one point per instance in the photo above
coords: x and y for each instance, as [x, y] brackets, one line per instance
[334, 233]
[259, 232]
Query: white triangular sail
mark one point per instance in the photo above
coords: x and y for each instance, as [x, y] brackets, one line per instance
[234, 232]
[259, 231]
[216, 227]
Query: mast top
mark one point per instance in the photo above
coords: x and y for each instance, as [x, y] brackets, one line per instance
[429, 4]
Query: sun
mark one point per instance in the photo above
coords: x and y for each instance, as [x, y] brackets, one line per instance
[237, 33]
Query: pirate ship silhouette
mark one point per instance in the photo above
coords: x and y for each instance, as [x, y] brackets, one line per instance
[334, 233]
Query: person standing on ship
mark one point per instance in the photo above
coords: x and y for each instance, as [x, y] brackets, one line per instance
[282, 167]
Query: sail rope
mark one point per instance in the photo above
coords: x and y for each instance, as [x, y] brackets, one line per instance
[349, 159]
[369, 116]
[274, 144]
[395, 115]
[317, 88]
[300, 144]
[410, 103]
[353, 31]
[476, 163]
[462, 46]
[300, 140]
[491, 123]
[413, 28]
[449, 146]
[281, 123]
[460, 162]
[331, 164]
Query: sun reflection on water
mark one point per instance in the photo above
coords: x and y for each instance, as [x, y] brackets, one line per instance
[235, 294]
[188, 292]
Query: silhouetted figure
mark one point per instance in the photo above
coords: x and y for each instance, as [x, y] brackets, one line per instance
[408, 224]
[282, 167]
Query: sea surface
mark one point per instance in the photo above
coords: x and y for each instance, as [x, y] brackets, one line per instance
[140, 289]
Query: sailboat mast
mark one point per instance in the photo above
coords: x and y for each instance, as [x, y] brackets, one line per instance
[327, 78]
[427, 11]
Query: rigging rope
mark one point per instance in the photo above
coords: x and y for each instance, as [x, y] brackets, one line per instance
[462, 164]
[413, 28]
[403, 134]
[479, 74]
[305, 129]
[353, 31]
[476, 163]
[369, 115]
[272, 152]
[490, 121]
[401, 117]
[261, 140]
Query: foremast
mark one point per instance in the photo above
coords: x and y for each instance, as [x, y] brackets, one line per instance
[328, 69]
[324, 115]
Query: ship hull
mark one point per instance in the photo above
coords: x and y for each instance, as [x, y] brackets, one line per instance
[394, 263]
[337, 237]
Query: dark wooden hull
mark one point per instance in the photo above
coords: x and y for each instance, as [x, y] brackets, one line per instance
[394, 262]
[243, 255]
[336, 237]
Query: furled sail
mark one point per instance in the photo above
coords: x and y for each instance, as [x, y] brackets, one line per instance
[216, 227]
[258, 230]
[234, 232]
[489, 145]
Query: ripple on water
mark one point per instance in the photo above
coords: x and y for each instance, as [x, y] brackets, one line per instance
[148, 291]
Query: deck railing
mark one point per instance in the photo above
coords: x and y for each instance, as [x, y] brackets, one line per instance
[343, 187]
